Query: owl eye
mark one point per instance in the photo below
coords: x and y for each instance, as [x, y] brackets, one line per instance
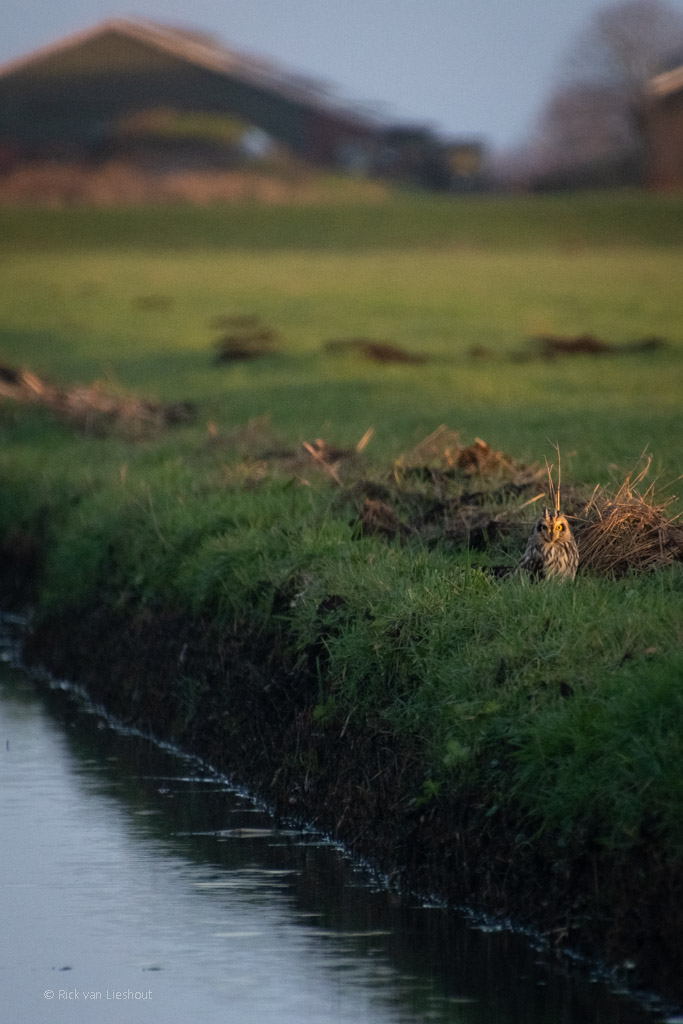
[560, 526]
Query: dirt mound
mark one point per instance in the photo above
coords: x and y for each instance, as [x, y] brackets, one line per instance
[247, 338]
[552, 346]
[378, 351]
[443, 451]
[429, 494]
[96, 408]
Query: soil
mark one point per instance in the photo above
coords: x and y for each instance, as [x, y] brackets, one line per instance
[551, 346]
[246, 338]
[376, 350]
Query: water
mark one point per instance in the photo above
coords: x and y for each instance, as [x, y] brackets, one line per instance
[137, 887]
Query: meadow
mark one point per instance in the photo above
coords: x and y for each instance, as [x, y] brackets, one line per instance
[559, 703]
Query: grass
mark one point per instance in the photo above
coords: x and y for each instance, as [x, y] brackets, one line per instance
[78, 318]
[563, 700]
[568, 223]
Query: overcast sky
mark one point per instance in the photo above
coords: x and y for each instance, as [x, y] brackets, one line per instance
[467, 67]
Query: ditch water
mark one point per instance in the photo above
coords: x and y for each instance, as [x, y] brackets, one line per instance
[138, 887]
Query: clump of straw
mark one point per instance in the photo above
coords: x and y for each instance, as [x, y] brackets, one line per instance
[443, 451]
[629, 530]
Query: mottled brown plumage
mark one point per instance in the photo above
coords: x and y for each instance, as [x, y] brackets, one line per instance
[551, 549]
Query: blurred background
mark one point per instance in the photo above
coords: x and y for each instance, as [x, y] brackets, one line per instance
[219, 103]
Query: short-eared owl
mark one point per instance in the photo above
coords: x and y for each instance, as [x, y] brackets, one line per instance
[551, 549]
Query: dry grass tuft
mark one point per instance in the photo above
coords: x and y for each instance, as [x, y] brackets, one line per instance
[628, 530]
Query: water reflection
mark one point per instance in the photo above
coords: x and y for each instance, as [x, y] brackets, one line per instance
[131, 874]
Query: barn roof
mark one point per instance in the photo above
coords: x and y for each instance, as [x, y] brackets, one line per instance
[198, 48]
[667, 83]
[83, 53]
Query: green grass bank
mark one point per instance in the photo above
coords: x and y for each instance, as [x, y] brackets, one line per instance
[510, 746]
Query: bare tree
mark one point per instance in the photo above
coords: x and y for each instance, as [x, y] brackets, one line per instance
[584, 125]
[598, 110]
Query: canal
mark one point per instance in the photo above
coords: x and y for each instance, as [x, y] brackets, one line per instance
[139, 887]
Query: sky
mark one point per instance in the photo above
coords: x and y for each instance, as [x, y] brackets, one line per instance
[474, 68]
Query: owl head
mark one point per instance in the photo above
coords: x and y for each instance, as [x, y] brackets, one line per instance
[553, 526]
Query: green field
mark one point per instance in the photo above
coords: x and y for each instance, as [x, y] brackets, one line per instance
[563, 702]
[434, 277]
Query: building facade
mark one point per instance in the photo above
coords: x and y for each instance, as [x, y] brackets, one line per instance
[665, 131]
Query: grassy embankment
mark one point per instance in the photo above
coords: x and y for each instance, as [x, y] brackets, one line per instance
[558, 706]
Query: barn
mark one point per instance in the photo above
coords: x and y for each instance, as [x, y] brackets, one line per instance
[71, 97]
[665, 130]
